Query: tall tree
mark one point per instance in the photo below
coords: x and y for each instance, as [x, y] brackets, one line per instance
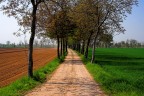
[35, 4]
[97, 15]
[25, 10]
[59, 25]
[81, 16]
[111, 13]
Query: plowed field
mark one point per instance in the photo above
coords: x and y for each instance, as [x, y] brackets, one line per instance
[13, 62]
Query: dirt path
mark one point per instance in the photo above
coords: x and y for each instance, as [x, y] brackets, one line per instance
[70, 79]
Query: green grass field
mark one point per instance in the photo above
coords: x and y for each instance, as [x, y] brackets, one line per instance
[119, 70]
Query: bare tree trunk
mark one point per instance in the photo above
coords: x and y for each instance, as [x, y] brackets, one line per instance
[93, 50]
[30, 49]
[94, 45]
[95, 38]
[87, 46]
[58, 45]
[66, 46]
[83, 48]
[79, 47]
[61, 47]
[74, 46]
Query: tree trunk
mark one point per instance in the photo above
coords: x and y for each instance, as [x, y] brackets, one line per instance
[74, 46]
[95, 38]
[93, 50]
[83, 48]
[58, 45]
[87, 46]
[30, 49]
[79, 47]
[66, 46]
[61, 47]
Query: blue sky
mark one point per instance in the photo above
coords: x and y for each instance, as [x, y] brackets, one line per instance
[8, 27]
[134, 25]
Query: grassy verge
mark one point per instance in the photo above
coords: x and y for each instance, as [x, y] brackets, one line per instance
[19, 87]
[119, 71]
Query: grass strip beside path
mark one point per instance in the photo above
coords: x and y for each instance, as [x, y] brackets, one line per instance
[119, 71]
[19, 87]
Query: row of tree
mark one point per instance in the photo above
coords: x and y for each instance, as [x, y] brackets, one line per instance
[42, 43]
[128, 44]
[96, 21]
[74, 23]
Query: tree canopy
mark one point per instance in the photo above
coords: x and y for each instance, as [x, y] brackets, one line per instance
[78, 24]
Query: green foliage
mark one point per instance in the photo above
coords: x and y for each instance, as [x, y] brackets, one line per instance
[24, 84]
[62, 57]
[85, 61]
[119, 71]
[18, 87]
[40, 76]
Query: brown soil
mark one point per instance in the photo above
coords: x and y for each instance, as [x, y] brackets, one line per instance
[13, 62]
[70, 79]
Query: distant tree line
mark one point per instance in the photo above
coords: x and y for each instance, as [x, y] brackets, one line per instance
[43, 43]
[128, 44]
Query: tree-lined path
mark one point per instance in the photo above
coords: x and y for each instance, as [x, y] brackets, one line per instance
[70, 79]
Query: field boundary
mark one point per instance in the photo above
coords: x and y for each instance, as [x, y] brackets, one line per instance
[14, 62]
[124, 78]
[25, 84]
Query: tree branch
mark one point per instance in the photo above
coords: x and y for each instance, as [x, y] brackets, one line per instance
[104, 18]
[33, 2]
[39, 1]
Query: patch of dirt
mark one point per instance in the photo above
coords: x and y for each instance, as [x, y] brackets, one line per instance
[13, 62]
[70, 79]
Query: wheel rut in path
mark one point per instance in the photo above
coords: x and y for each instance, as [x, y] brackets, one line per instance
[70, 79]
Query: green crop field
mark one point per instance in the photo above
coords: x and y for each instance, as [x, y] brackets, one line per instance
[119, 70]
